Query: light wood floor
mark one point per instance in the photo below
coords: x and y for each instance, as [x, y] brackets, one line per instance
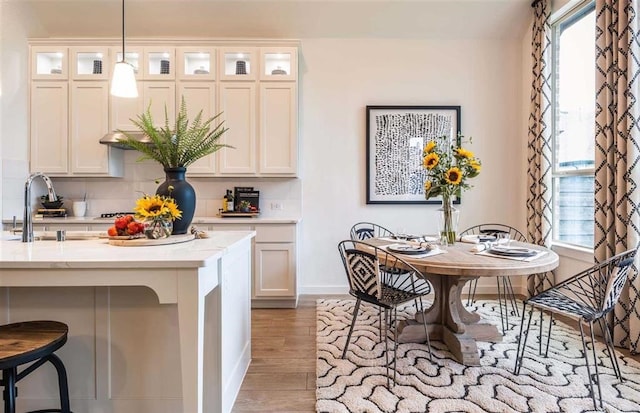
[282, 374]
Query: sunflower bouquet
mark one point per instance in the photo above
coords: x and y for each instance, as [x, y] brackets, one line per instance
[157, 212]
[448, 168]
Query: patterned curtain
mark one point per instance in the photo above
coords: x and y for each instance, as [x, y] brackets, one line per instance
[617, 154]
[539, 139]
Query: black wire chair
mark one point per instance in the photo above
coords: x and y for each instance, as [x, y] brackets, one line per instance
[386, 281]
[505, 288]
[364, 230]
[586, 297]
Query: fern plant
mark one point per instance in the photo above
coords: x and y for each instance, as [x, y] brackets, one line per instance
[181, 145]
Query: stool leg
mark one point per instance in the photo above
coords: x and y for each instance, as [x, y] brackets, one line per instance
[9, 383]
[62, 382]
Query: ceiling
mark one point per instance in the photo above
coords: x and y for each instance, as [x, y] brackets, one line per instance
[482, 19]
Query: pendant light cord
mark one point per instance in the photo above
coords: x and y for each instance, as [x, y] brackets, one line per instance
[123, 53]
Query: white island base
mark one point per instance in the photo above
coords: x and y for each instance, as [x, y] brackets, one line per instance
[157, 329]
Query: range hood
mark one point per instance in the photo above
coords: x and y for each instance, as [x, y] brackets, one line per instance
[113, 139]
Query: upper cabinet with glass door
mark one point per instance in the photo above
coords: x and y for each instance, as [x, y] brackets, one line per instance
[196, 63]
[90, 63]
[49, 63]
[134, 56]
[160, 63]
[238, 63]
[278, 63]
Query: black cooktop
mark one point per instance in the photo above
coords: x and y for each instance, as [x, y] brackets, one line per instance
[115, 214]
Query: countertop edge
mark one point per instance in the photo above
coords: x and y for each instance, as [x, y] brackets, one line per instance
[196, 221]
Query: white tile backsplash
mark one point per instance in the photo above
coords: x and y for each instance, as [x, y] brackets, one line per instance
[119, 194]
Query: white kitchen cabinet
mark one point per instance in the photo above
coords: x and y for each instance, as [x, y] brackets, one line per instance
[200, 96]
[238, 63]
[49, 127]
[89, 105]
[274, 270]
[49, 62]
[278, 63]
[157, 93]
[274, 267]
[278, 141]
[149, 62]
[90, 63]
[253, 85]
[238, 107]
[196, 63]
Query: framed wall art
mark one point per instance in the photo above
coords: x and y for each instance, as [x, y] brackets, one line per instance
[396, 136]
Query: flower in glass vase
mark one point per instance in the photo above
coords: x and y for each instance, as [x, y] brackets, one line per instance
[448, 168]
[157, 212]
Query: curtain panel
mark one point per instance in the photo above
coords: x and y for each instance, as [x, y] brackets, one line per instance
[539, 154]
[617, 154]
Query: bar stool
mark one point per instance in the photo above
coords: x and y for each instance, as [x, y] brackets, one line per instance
[26, 342]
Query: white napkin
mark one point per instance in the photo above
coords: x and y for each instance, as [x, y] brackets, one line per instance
[471, 238]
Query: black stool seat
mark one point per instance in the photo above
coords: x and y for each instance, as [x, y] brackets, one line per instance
[31, 342]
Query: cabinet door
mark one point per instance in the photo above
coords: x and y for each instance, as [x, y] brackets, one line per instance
[49, 63]
[89, 122]
[160, 63]
[196, 63]
[238, 64]
[90, 63]
[49, 127]
[274, 270]
[200, 96]
[238, 107]
[160, 95]
[134, 56]
[125, 109]
[278, 129]
[278, 63]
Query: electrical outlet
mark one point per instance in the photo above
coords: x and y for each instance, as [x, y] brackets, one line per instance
[277, 206]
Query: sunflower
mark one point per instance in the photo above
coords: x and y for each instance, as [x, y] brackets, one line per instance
[429, 146]
[463, 153]
[453, 176]
[475, 165]
[156, 207]
[431, 160]
[427, 186]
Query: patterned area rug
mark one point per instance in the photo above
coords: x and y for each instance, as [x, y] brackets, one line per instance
[554, 384]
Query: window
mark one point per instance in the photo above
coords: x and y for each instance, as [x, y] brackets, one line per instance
[573, 103]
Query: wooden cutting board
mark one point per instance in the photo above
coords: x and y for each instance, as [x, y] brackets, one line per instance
[145, 242]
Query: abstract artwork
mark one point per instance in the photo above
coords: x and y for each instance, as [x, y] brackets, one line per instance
[396, 136]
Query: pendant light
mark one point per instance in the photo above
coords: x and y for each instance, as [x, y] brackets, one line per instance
[123, 83]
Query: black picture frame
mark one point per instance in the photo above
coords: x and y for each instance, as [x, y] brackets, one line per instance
[396, 136]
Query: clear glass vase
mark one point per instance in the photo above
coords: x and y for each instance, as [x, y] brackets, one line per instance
[158, 228]
[448, 218]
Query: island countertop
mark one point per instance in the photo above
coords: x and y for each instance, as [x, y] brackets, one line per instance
[200, 278]
[98, 253]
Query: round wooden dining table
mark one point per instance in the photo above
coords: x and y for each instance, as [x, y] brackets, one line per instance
[448, 319]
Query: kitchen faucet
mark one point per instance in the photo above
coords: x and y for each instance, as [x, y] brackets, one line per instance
[27, 222]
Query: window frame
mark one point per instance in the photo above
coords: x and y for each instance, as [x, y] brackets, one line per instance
[572, 12]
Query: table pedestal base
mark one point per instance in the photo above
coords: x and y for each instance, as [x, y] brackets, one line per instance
[448, 321]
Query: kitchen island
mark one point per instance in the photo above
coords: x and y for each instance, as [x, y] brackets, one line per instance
[186, 347]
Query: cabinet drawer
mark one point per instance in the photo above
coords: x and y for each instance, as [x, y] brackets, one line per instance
[275, 233]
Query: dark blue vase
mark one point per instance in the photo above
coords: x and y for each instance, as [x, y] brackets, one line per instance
[184, 195]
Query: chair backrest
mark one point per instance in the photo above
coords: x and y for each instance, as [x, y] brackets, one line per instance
[362, 267]
[618, 270]
[365, 230]
[369, 267]
[494, 229]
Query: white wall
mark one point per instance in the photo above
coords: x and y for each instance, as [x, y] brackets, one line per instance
[340, 77]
